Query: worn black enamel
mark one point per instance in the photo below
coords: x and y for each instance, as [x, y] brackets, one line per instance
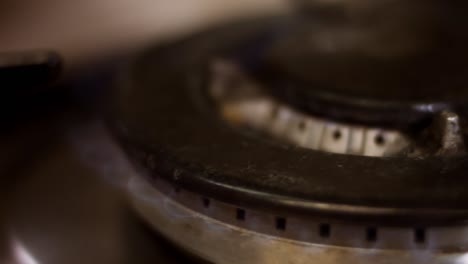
[166, 122]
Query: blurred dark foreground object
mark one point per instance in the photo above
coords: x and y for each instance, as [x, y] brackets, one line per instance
[28, 73]
[27, 79]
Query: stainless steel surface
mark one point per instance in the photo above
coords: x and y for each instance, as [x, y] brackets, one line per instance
[62, 199]
[224, 243]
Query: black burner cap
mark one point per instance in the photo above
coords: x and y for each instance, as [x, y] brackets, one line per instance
[393, 63]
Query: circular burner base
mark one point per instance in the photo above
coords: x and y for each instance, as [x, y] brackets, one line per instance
[224, 243]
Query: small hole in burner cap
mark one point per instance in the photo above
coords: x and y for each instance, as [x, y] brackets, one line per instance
[206, 202]
[419, 235]
[379, 139]
[371, 235]
[336, 134]
[240, 214]
[281, 223]
[324, 230]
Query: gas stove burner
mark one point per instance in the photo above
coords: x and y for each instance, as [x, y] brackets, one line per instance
[246, 157]
[243, 104]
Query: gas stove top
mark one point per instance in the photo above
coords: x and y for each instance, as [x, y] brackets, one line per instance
[336, 133]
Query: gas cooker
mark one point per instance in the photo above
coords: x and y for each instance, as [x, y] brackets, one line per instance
[319, 136]
[325, 135]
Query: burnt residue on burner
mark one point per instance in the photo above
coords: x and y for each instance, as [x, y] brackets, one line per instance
[180, 129]
[263, 134]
